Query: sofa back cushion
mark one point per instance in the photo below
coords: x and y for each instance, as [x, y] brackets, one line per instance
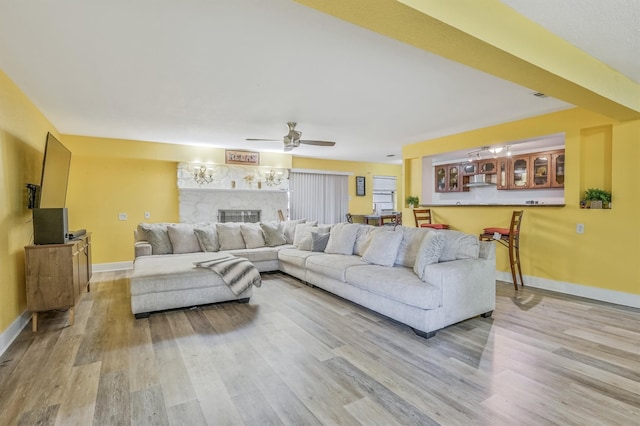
[288, 228]
[342, 238]
[383, 247]
[183, 239]
[429, 252]
[229, 236]
[252, 235]
[157, 236]
[458, 245]
[207, 238]
[272, 235]
[410, 245]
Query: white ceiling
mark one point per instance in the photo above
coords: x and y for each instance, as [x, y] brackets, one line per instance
[217, 72]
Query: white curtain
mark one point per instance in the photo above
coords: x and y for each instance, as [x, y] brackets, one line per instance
[321, 197]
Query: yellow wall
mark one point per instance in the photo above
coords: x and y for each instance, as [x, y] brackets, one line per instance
[23, 131]
[357, 205]
[110, 176]
[606, 255]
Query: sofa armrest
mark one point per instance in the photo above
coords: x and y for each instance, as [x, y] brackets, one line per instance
[142, 248]
[468, 287]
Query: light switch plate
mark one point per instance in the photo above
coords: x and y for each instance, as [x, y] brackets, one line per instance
[147, 215]
[122, 216]
[580, 228]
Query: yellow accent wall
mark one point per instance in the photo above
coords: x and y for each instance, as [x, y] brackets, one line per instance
[599, 152]
[112, 176]
[23, 131]
[357, 205]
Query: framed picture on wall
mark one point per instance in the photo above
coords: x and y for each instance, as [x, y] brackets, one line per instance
[242, 157]
[360, 188]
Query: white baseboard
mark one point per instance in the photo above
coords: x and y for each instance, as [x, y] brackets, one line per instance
[9, 335]
[115, 266]
[601, 294]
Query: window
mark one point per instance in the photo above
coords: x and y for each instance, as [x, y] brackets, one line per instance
[384, 193]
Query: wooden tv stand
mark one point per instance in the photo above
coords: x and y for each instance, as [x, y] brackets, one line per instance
[56, 276]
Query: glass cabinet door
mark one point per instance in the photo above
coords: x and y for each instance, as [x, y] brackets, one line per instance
[469, 169]
[503, 174]
[441, 179]
[557, 179]
[488, 167]
[453, 179]
[540, 170]
[519, 176]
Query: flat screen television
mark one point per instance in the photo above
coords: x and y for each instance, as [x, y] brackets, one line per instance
[55, 174]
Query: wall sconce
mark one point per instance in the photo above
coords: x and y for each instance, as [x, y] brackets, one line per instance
[273, 178]
[202, 175]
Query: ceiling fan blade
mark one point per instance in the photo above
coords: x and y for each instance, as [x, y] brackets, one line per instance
[268, 140]
[318, 143]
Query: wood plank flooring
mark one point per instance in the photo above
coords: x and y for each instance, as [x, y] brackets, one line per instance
[299, 356]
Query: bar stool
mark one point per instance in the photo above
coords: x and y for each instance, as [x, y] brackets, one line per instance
[423, 220]
[510, 238]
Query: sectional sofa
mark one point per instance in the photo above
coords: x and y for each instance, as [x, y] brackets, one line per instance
[426, 279]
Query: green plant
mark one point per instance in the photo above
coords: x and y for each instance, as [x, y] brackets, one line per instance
[596, 194]
[413, 200]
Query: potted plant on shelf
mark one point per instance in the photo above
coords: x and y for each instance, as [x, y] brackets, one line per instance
[597, 198]
[413, 201]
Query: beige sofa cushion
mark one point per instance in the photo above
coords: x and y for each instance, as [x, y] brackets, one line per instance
[207, 238]
[157, 235]
[183, 239]
[229, 236]
[272, 235]
[342, 238]
[252, 235]
[383, 248]
[458, 245]
[428, 253]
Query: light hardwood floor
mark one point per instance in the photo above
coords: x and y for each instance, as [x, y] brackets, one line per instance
[297, 355]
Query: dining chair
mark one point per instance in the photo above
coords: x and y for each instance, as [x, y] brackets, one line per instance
[423, 220]
[510, 238]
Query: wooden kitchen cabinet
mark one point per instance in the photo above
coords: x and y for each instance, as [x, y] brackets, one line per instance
[448, 178]
[520, 169]
[488, 167]
[56, 275]
[557, 169]
[503, 170]
[540, 170]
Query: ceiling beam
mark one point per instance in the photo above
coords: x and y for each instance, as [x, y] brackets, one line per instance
[491, 37]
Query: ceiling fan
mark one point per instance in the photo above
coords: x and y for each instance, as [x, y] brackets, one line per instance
[292, 139]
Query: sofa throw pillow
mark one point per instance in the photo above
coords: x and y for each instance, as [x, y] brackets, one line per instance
[288, 228]
[207, 238]
[302, 235]
[252, 235]
[411, 240]
[363, 239]
[428, 253]
[158, 237]
[319, 240]
[458, 245]
[342, 238]
[229, 236]
[183, 239]
[272, 236]
[383, 248]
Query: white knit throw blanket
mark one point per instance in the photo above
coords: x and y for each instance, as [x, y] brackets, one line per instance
[237, 273]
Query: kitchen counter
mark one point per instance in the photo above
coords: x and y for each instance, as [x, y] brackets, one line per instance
[492, 205]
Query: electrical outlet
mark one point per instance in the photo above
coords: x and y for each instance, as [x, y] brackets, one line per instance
[147, 215]
[580, 228]
[122, 216]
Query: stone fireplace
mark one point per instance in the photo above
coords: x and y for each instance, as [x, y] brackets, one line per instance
[240, 189]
